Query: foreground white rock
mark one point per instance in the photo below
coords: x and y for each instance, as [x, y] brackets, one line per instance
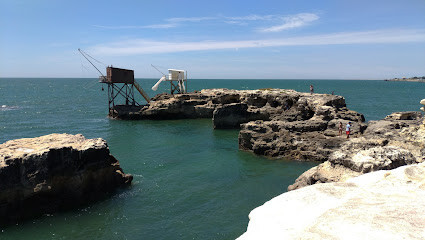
[378, 205]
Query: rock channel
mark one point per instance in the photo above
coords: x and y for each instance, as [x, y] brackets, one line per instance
[386, 202]
[273, 122]
[287, 124]
[300, 126]
[54, 172]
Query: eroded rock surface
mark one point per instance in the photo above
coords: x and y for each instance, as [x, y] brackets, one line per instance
[273, 122]
[267, 104]
[304, 128]
[53, 172]
[387, 204]
[385, 144]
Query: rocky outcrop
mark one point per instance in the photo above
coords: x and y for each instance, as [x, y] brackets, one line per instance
[301, 126]
[380, 205]
[385, 144]
[265, 104]
[273, 122]
[300, 140]
[180, 106]
[54, 172]
[307, 129]
[403, 116]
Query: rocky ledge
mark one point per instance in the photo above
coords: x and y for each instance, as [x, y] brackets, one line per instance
[54, 172]
[275, 122]
[397, 140]
[387, 204]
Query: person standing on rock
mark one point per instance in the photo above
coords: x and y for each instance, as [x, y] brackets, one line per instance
[340, 128]
[311, 89]
[348, 129]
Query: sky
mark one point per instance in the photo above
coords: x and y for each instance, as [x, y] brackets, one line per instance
[303, 39]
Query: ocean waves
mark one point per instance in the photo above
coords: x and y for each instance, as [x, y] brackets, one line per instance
[8, 108]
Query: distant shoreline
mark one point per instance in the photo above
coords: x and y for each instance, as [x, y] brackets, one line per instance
[422, 79]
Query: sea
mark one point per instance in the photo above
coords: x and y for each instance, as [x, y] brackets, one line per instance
[190, 181]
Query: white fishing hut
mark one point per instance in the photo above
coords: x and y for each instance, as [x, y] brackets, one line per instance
[177, 79]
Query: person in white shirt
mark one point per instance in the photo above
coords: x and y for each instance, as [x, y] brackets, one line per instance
[348, 129]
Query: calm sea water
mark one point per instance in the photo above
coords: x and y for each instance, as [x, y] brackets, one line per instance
[190, 181]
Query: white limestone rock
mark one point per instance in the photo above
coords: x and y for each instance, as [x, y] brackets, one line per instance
[379, 205]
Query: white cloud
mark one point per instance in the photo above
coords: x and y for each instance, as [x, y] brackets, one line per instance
[167, 25]
[171, 23]
[289, 21]
[236, 22]
[190, 19]
[294, 21]
[253, 17]
[153, 26]
[142, 46]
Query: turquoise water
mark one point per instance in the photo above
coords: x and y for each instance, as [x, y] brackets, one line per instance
[190, 181]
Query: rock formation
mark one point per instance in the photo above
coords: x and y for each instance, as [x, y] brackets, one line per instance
[299, 126]
[395, 141]
[302, 126]
[53, 172]
[387, 204]
[423, 108]
[278, 123]
[268, 104]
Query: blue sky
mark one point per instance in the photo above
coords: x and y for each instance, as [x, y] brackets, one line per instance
[215, 39]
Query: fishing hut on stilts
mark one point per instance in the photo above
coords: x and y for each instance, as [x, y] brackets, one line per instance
[121, 85]
[177, 79]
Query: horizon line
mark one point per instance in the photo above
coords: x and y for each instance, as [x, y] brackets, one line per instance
[325, 79]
